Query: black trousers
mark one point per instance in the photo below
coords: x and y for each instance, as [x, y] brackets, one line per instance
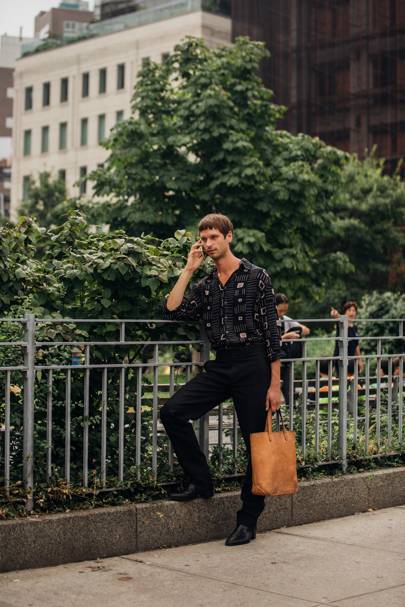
[242, 373]
[286, 377]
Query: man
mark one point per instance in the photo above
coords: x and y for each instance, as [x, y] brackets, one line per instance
[290, 330]
[237, 306]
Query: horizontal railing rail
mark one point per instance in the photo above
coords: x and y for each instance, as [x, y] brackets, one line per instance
[81, 398]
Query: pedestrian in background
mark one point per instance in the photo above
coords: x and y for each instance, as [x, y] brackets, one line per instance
[290, 331]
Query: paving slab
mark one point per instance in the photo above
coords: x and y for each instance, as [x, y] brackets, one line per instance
[297, 566]
[356, 561]
[387, 534]
[392, 597]
[119, 582]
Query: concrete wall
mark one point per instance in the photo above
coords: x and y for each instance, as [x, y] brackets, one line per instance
[41, 541]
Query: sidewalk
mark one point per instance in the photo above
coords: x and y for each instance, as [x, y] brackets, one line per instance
[356, 561]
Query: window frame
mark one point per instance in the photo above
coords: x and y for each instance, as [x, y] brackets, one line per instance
[121, 76]
[85, 87]
[102, 80]
[45, 149]
[27, 143]
[84, 130]
[46, 97]
[82, 180]
[64, 91]
[26, 187]
[101, 120]
[63, 127]
[28, 98]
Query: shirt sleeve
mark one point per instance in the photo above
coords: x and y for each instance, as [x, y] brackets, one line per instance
[269, 316]
[189, 309]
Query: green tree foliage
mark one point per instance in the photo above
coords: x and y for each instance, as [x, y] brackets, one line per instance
[43, 197]
[383, 306]
[369, 211]
[203, 138]
[73, 271]
[48, 204]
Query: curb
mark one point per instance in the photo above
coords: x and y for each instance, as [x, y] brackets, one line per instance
[46, 540]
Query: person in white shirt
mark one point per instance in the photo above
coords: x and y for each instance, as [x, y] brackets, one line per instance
[290, 330]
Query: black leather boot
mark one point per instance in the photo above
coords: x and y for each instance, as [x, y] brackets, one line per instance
[242, 534]
[191, 493]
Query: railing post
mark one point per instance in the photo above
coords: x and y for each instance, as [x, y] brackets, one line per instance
[203, 429]
[29, 382]
[343, 363]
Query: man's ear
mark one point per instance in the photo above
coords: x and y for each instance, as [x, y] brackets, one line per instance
[229, 237]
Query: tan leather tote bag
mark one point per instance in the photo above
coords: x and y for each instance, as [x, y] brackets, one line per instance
[274, 460]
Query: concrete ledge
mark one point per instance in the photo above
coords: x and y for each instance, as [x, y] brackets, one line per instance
[45, 540]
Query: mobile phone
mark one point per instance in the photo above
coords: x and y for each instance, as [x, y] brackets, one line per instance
[201, 247]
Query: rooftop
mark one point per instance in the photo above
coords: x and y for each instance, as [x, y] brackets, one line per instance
[165, 9]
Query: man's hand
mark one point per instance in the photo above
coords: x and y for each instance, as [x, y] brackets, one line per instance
[290, 335]
[273, 398]
[195, 257]
[334, 313]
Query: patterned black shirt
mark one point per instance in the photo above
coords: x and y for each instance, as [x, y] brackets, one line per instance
[241, 311]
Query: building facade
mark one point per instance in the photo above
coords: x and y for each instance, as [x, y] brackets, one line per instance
[10, 50]
[67, 99]
[339, 67]
[70, 19]
[113, 8]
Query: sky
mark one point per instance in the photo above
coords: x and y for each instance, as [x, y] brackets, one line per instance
[16, 13]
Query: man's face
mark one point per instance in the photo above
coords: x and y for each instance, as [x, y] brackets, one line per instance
[215, 244]
[282, 309]
[351, 313]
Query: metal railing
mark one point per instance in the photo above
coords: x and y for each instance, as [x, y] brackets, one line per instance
[84, 407]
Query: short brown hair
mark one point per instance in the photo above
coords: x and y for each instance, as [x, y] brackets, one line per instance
[216, 221]
[350, 304]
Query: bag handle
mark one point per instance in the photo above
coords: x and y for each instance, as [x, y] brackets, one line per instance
[269, 421]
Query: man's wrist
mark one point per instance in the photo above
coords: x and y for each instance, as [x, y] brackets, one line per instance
[275, 385]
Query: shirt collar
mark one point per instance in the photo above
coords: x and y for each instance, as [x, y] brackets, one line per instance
[244, 265]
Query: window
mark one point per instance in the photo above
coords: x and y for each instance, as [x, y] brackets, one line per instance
[45, 140]
[383, 14]
[102, 80]
[62, 175]
[85, 84]
[119, 116]
[384, 70]
[165, 57]
[26, 186]
[62, 135]
[121, 76]
[28, 98]
[101, 128]
[64, 89]
[73, 28]
[46, 94]
[70, 27]
[27, 142]
[84, 123]
[83, 180]
[145, 61]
